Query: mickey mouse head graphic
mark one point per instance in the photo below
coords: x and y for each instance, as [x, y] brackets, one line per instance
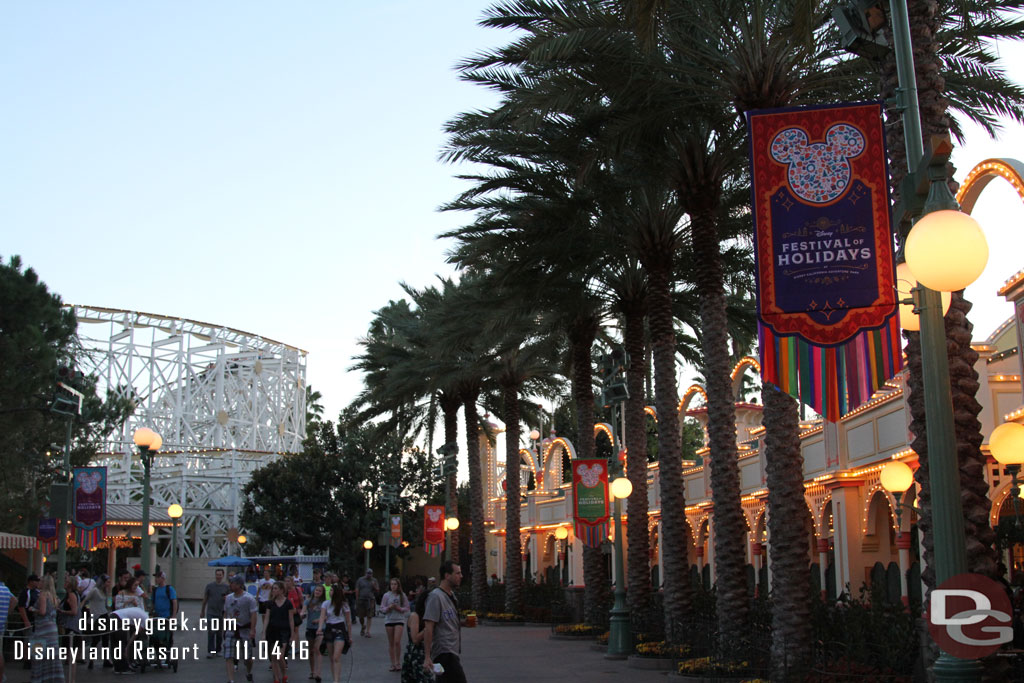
[818, 171]
[590, 474]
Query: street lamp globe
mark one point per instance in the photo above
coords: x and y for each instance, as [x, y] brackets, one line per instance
[451, 523]
[561, 533]
[904, 283]
[896, 477]
[152, 529]
[622, 488]
[242, 539]
[534, 434]
[174, 511]
[1007, 443]
[367, 544]
[946, 250]
[143, 437]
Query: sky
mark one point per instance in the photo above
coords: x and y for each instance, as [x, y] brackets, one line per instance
[270, 166]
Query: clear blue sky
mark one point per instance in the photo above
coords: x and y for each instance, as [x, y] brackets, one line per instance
[267, 166]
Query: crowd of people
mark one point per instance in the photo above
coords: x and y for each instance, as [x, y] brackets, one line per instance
[285, 621]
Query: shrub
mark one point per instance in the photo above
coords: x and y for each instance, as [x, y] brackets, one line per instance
[662, 649]
[577, 630]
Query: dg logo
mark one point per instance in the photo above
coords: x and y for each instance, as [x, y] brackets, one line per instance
[969, 616]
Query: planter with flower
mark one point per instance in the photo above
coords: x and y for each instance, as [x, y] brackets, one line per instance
[657, 655]
[575, 632]
[501, 619]
[708, 670]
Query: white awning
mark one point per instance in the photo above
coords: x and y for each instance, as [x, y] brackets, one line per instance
[16, 542]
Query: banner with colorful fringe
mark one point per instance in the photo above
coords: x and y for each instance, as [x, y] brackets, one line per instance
[90, 506]
[46, 534]
[590, 500]
[832, 380]
[826, 295]
[433, 530]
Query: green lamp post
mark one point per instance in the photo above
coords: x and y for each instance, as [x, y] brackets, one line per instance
[367, 544]
[614, 393]
[174, 511]
[148, 443]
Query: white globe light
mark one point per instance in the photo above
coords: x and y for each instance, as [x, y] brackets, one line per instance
[896, 476]
[904, 283]
[367, 544]
[534, 434]
[143, 437]
[622, 488]
[174, 511]
[1007, 443]
[451, 523]
[561, 533]
[946, 250]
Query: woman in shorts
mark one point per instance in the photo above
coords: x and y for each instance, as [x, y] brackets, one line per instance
[278, 630]
[312, 609]
[336, 627]
[395, 607]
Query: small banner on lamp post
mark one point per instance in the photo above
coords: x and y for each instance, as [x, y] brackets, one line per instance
[396, 530]
[590, 500]
[433, 530]
[826, 295]
[90, 506]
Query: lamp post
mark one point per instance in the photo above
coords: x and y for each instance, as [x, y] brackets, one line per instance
[896, 478]
[367, 544]
[562, 534]
[1007, 446]
[174, 511]
[946, 244]
[613, 393]
[241, 544]
[450, 524]
[148, 442]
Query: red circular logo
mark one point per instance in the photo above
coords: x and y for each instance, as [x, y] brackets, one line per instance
[970, 616]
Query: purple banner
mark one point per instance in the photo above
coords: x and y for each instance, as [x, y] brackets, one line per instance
[90, 485]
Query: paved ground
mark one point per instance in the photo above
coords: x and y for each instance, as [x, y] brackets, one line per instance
[490, 654]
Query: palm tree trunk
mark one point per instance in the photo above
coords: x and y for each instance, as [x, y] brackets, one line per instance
[730, 526]
[670, 468]
[638, 560]
[595, 575]
[478, 548]
[450, 408]
[791, 609]
[513, 549]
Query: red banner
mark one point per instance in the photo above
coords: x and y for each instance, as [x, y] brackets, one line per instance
[590, 500]
[433, 529]
[821, 213]
[396, 530]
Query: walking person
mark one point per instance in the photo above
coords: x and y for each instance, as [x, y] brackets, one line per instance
[8, 603]
[336, 629]
[366, 601]
[130, 595]
[165, 606]
[263, 590]
[395, 607]
[412, 665]
[26, 608]
[294, 595]
[311, 610]
[442, 634]
[212, 609]
[239, 643]
[68, 613]
[279, 629]
[47, 669]
[99, 602]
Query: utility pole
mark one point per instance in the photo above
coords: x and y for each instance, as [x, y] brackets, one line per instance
[67, 401]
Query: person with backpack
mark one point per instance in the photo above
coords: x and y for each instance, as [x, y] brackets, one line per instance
[165, 606]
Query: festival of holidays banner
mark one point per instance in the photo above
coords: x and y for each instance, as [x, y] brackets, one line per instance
[396, 530]
[46, 534]
[90, 505]
[433, 530]
[590, 500]
[826, 296]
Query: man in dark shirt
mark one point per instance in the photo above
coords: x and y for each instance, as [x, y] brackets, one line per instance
[213, 608]
[26, 608]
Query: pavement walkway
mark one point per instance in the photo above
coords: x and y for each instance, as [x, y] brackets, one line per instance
[491, 654]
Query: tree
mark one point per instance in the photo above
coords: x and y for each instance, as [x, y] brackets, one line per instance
[344, 468]
[38, 334]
